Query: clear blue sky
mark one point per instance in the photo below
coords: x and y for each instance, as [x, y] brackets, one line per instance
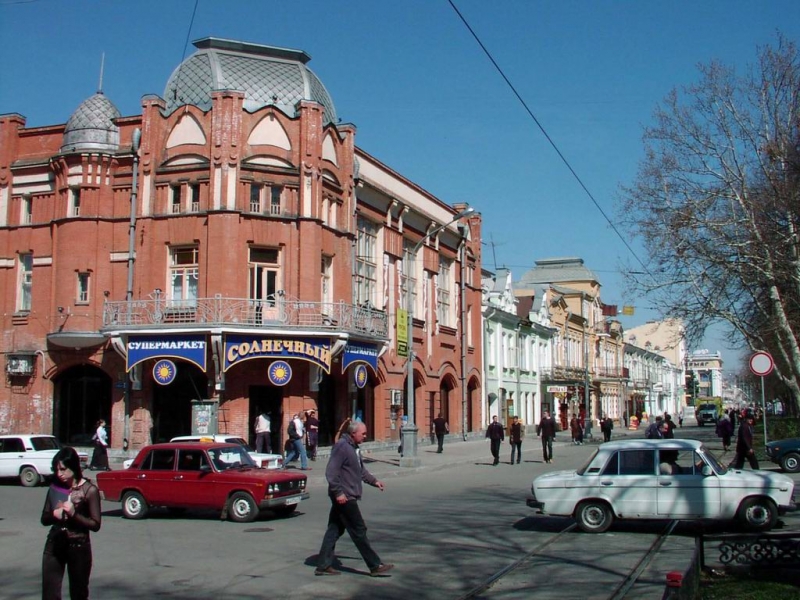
[423, 95]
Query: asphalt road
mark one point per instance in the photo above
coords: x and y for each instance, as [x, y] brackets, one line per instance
[446, 526]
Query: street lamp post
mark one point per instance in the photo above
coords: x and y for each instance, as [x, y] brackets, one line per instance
[410, 430]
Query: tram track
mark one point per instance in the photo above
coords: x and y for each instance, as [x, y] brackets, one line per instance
[547, 551]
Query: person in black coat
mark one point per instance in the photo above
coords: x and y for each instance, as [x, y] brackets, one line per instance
[494, 432]
[547, 430]
[744, 444]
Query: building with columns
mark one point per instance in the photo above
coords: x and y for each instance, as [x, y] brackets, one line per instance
[228, 250]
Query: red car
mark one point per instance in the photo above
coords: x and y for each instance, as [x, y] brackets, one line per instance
[181, 475]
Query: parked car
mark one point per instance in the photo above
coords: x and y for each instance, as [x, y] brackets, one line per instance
[786, 453]
[707, 414]
[207, 475]
[262, 459]
[30, 457]
[661, 479]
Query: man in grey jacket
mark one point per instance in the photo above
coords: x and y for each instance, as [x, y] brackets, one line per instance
[344, 473]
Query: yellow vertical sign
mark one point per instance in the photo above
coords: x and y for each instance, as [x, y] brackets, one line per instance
[402, 332]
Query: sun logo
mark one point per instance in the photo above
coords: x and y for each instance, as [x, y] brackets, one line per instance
[361, 376]
[164, 372]
[280, 372]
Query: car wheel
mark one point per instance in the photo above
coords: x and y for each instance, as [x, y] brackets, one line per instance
[758, 514]
[242, 508]
[791, 462]
[134, 505]
[594, 516]
[29, 477]
[285, 511]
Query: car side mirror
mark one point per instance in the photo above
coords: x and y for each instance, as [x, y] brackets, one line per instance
[707, 471]
[205, 469]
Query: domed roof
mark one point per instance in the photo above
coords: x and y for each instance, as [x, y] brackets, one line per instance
[91, 127]
[267, 76]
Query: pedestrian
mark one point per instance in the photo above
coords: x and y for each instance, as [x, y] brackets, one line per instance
[399, 419]
[72, 509]
[655, 431]
[312, 433]
[725, 430]
[669, 427]
[494, 432]
[100, 455]
[744, 443]
[680, 418]
[345, 472]
[263, 425]
[606, 425]
[296, 432]
[576, 430]
[547, 431]
[440, 428]
[625, 419]
[515, 434]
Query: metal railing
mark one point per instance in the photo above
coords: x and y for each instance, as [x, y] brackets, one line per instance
[277, 311]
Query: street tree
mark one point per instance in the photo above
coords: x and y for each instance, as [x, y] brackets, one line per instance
[716, 203]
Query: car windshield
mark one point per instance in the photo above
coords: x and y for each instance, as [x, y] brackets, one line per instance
[586, 464]
[230, 457]
[44, 442]
[708, 407]
[712, 460]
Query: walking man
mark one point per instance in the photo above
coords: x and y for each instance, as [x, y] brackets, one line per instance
[296, 431]
[494, 432]
[262, 427]
[515, 435]
[440, 428]
[345, 472]
[744, 443]
[547, 430]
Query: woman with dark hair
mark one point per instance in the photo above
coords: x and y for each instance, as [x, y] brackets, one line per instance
[72, 509]
[100, 454]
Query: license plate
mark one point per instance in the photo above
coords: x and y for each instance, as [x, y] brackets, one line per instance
[295, 500]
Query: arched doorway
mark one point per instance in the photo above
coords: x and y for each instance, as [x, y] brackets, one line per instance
[172, 404]
[82, 397]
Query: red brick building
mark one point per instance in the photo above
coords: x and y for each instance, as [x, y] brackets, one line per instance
[228, 250]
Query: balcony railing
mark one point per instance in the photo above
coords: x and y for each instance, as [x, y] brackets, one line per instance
[277, 312]
[612, 372]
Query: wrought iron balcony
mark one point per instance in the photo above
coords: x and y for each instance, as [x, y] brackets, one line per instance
[612, 373]
[276, 312]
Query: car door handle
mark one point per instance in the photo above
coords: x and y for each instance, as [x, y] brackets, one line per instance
[177, 477]
[665, 483]
[141, 477]
[606, 483]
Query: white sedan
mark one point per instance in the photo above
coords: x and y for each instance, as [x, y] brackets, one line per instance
[30, 457]
[263, 460]
[661, 479]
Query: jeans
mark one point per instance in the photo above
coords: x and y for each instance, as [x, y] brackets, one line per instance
[298, 449]
[516, 446]
[547, 448]
[346, 517]
[263, 442]
[77, 558]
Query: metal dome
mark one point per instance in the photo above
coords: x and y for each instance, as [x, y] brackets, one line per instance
[91, 127]
[267, 75]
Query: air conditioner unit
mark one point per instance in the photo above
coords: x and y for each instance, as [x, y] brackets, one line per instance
[20, 364]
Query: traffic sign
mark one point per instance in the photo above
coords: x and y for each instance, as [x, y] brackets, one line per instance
[761, 363]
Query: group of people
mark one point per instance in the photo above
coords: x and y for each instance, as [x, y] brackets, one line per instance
[495, 433]
[302, 437]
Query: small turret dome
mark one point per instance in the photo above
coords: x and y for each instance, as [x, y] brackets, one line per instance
[91, 127]
[267, 75]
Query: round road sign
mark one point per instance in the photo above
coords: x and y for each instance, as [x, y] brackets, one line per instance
[761, 363]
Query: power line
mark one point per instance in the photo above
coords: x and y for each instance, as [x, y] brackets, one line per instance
[547, 136]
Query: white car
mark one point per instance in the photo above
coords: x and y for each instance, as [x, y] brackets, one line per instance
[661, 479]
[30, 457]
[263, 460]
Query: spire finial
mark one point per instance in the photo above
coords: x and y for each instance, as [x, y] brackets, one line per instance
[102, 65]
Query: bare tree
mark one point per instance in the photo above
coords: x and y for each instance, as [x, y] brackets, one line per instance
[716, 202]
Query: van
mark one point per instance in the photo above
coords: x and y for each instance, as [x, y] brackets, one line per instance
[707, 413]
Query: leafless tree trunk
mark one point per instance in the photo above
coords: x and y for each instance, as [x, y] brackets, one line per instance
[716, 203]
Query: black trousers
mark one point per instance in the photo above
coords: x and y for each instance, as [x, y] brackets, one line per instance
[77, 558]
[263, 442]
[99, 457]
[440, 441]
[547, 448]
[738, 460]
[495, 447]
[346, 517]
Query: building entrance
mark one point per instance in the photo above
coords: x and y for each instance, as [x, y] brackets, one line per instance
[172, 404]
[267, 398]
[82, 397]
